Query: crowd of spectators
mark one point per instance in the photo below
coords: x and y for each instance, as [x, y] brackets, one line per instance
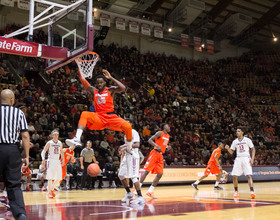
[203, 102]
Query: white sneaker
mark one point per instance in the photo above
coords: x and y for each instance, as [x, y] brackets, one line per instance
[73, 142]
[128, 196]
[138, 200]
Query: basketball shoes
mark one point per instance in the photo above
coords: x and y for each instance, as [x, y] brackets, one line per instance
[128, 196]
[218, 188]
[4, 201]
[194, 186]
[73, 142]
[236, 194]
[151, 195]
[138, 200]
[253, 195]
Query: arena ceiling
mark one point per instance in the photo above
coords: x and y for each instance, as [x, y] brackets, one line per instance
[211, 22]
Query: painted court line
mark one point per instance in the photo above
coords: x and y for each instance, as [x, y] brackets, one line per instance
[127, 209]
[231, 200]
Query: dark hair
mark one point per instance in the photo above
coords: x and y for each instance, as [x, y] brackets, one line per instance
[242, 129]
[101, 76]
[162, 126]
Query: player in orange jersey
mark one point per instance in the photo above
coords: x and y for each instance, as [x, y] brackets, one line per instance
[154, 163]
[214, 167]
[26, 174]
[68, 154]
[104, 115]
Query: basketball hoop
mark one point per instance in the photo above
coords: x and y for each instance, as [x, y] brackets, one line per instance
[87, 63]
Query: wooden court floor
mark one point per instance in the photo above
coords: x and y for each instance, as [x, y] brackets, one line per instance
[174, 202]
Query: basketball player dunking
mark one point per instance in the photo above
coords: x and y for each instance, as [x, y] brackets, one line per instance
[154, 163]
[104, 115]
[54, 171]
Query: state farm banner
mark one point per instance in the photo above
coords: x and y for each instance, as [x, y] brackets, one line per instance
[9, 3]
[185, 40]
[133, 27]
[197, 44]
[23, 4]
[41, 7]
[105, 20]
[146, 29]
[210, 47]
[120, 23]
[17, 47]
[158, 32]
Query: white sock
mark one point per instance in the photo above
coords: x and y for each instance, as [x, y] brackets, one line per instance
[4, 193]
[217, 183]
[140, 184]
[197, 182]
[79, 133]
[151, 189]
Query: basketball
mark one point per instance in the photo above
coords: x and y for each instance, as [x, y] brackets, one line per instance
[93, 170]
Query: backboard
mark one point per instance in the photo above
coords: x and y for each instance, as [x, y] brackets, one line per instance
[72, 30]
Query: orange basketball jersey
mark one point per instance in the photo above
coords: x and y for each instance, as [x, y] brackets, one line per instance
[217, 151]
[67, 156]
[162, 141]
[103, 101]
[26, 171]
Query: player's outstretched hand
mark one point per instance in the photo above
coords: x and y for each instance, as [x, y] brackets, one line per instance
[106, 74]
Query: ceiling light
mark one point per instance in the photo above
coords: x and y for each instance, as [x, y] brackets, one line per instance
[202, 45]
[95, 9]
[169, 29]
[275, 39]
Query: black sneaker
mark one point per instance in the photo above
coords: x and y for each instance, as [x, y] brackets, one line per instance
[218, 188]
[194, 186]
[22, 217]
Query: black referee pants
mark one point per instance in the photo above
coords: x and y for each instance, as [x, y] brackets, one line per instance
[86, 178]
[10, 168]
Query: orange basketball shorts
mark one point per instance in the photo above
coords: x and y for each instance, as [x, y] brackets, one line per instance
[211, 168]
[97, 121]
[154, 163]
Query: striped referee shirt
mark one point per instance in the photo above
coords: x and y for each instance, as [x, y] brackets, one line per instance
[12, 122]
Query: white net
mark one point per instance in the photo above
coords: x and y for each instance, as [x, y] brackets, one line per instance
[87, 63]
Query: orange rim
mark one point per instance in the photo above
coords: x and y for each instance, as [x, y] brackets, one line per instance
[93, 53]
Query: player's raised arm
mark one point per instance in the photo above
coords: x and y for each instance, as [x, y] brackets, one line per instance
[90, 89]
[119, 88]
[229, 150]
[152, 139]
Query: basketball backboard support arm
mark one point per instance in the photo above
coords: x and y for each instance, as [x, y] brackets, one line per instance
[64, 9]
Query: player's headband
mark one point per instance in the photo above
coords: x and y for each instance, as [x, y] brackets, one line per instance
[55, 132]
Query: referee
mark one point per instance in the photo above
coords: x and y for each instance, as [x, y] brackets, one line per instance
[12, 124]
[87, 156]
